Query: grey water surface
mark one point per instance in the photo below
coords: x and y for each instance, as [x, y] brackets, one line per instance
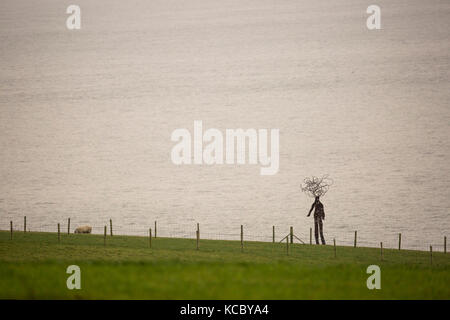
[86, 116]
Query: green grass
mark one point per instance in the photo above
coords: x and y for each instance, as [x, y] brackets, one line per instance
[33, 266]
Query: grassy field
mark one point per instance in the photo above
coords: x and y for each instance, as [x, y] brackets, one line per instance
[33, 266]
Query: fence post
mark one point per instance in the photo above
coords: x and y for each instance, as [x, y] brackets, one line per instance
[381, 250]
[68, 226]
[445, 244]
[198, 234]
[334, 244]
[110, 227]
[431, 254]
[11, 227]
[59, 233]
[155, 229]
[356, 233]
[150, 237]
[104, 237]
[273, 234]
[310, 235]
[292, 234]
[242, 238]
[399, 241]
[25, 224]
[287, 245]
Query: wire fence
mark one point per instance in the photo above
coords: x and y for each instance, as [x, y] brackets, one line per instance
[278, 234]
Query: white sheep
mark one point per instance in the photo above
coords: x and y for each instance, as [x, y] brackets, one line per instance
[83, 229]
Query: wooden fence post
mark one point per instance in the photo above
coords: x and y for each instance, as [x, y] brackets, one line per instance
[287, 245]
[11, 227]
[431, 254]
[68, 226]
[356, 233]
[242, 238]
[291, 232]
[110, 227]
[399, 241]
[445, 244]
[198, 234]
[310, 235]
[59, 233]
[150, 237]
[273, 234]
[334, 244]
[155, 229]
[25, 224]
[381, 250]
[104, 237]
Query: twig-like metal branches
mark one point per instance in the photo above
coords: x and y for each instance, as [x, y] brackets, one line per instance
[315, 186]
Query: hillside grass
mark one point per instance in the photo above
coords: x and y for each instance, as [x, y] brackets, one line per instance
[33, 266]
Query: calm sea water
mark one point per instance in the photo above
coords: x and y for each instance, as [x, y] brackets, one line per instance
[86, 116]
